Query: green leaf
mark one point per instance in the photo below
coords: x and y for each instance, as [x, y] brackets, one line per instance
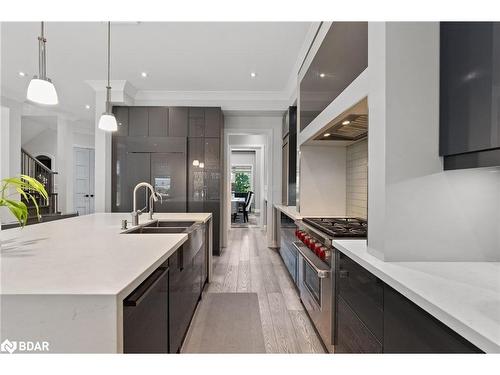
[26, 186]
[18, 209]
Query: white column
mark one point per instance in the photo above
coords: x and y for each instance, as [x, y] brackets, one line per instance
[4, 155]
[64, 164]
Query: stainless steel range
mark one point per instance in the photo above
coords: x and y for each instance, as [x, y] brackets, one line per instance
[316, 268]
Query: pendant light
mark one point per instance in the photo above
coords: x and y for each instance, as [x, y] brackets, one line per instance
[108, 121]
[41, 90]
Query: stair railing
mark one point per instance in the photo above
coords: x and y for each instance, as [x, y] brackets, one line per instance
[32, 167]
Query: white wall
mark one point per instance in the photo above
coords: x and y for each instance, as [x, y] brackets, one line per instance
[322, 187]
[4, 154]
[10, 139]
[270, 127]
[45, 143]
[416, 210]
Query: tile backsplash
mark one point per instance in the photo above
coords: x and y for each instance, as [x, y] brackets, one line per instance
[357, 179]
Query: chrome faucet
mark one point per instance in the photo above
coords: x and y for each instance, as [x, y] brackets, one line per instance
[153, 197]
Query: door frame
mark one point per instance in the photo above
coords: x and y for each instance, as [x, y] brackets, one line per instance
[91, 177]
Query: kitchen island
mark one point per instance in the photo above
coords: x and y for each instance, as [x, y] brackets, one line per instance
[64, 282]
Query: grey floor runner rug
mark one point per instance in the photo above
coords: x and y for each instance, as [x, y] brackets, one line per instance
[226, 323]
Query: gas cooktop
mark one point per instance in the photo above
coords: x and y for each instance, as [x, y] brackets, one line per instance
[340, 226]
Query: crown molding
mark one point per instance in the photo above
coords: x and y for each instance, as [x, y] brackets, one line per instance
[227, 100]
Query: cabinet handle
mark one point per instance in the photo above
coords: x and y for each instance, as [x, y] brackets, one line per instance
[143, 290]
[86, 195]
[344, 274]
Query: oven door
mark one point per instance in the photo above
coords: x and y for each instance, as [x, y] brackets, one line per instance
[316, 292]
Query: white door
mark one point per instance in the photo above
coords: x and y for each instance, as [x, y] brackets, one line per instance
[84, 180]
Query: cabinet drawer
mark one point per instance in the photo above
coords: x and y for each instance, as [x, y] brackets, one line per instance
[410, 329]
[352, 335]
[289, 255]
[364, 293]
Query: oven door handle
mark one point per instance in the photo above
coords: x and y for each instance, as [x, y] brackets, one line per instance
[323, 272]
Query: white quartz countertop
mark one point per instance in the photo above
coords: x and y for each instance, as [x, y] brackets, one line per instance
[84, 255]
[290, 211]
[463, 295]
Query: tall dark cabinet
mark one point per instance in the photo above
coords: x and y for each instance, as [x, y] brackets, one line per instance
[204, 162]
[179, 150]
[470, 94]
[289, 157]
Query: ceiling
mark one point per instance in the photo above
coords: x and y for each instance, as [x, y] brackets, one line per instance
[195, 57]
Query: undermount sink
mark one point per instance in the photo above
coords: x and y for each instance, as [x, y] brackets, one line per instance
[157, 230]
[169, 224]
[162, 227]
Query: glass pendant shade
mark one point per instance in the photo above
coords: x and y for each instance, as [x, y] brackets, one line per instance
[108, 122]
[42, 91]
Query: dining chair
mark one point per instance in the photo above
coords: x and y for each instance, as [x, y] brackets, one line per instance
[247, 205]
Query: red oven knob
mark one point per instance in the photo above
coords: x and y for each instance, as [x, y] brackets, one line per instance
[306, 240]
[300, 235]
[297, 233]
[323, 252]
[312, 244]
[317, 246]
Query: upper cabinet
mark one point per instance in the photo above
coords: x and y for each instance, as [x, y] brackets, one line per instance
[342, 56]
[470, 94]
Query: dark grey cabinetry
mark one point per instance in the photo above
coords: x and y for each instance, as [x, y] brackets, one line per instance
[470, 94]
[187, 278]
[363, 291]
[138, 121]
[360, 314]
[158, 160]
[409, 329]
[341, 58]
[159, 145]
[196, 122]
[158, 121]
[205, 159]
[177, 121]
[352, 334]
[121, 114]
[289, 157]
[145, 315]
[287, 251]
[168, 176]
[372, 317]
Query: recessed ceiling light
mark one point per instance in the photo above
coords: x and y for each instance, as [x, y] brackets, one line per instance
[346, 122]
[326, 135]
[144, 74]
[87, 106]
[253, 74]
[322, 75]
[22, 74]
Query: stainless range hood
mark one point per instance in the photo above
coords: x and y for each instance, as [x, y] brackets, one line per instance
[349, 128]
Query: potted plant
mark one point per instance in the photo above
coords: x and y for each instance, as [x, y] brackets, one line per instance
[25, 186]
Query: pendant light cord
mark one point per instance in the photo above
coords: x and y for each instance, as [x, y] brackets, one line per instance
[108, 87]
[42, 70]
[109, 49]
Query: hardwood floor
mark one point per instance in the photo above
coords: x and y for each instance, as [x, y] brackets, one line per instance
[248, 265]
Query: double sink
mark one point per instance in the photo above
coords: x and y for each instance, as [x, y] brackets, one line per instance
[163, 227]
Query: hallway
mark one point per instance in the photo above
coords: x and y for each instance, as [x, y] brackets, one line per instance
[248, 266]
